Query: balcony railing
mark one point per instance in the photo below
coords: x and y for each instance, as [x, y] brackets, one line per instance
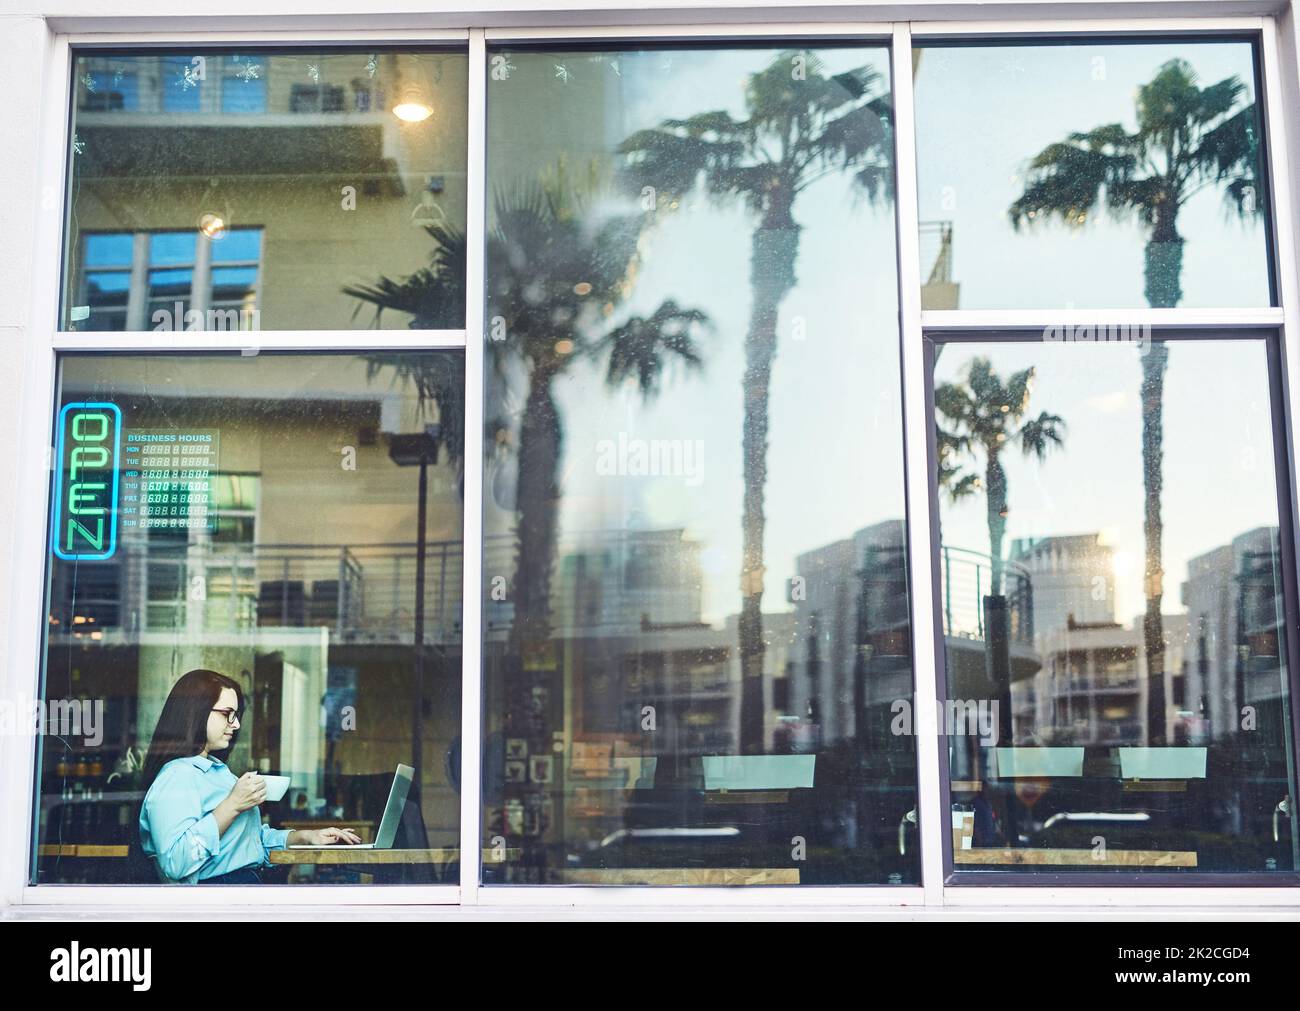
[967, 578]
[360, 592]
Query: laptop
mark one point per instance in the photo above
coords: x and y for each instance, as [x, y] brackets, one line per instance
[387, 825]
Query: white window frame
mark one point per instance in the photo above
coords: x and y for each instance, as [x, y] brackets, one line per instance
[1281, 80]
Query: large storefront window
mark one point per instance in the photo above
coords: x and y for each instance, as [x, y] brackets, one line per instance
[696, 616]
[697, 657]
[1091, 175]
[266, 190]
[259, 517]
[1114, 612]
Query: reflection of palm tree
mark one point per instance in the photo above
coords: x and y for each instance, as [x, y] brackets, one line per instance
[434, 295]
[1187, 138]
[555, 275]
[986, 417]
[800, 127]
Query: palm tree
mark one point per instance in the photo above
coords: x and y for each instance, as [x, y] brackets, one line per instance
[556, 274]
[986, 417]
[434, 296]
[800, 126]
[1188, 138]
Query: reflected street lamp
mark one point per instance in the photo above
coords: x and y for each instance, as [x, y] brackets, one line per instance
[412, 450]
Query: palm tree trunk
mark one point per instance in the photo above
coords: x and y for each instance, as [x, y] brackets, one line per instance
[771, 273]
[1164, 263]
[996, 480]
[996, 617]
[540, 441]
[1153, 384]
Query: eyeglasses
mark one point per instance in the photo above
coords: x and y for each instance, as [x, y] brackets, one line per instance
[231, 715]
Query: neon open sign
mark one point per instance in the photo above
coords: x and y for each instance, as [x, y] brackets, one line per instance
[85, 492]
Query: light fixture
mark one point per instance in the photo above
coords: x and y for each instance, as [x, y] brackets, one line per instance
[212, 225]
[410, 111]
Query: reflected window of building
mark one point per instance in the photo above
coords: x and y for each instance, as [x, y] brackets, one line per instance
[258, 517]
[173, 280]
[1085, 173]
[348, 166]
[1113, 607]
[696, 611]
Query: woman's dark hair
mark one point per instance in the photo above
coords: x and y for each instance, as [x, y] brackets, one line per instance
[182, 728]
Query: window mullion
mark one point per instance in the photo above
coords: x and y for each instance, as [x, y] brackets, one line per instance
[920, 522]
[472, 595]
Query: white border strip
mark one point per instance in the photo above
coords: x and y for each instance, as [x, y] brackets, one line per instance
[1041, 319]
[295, 39]
[225, 896]
[931, 817]
[1281, 194]
[719, 897]
[1145, 896]
[27, 566]
[847, 30]
[252, 341]
[471, 694]
[927, 31]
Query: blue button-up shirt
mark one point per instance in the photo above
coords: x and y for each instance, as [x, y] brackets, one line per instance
[179, 831]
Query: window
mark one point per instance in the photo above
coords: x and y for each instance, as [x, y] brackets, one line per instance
[330, 184]
[1091, 175]
[243, 83]
[182, 281]
[694, 642]
[257, 516]
[1115, 606]
[800, 387]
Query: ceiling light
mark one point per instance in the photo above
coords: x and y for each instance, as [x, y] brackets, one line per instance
[412, 112]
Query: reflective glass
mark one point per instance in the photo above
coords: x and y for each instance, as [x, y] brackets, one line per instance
[1113, 607]
[1083, 175]
[257, 518]
[696, 613]
[348, 165]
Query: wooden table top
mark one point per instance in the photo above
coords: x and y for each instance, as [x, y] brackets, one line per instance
[1075, 857]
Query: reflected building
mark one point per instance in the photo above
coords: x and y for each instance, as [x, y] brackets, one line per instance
[1092, 686]
[250, 189]
[1234, 613]
[851, 657]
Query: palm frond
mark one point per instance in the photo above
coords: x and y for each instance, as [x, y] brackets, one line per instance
[641, 348]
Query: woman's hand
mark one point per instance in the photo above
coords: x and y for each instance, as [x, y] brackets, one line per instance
[330, 836]
[248, 792]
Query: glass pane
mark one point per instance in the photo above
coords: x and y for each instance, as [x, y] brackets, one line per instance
[694, 642]
[170, 248]
[1113, 608]
[343, 172]
[109, 250]
[1084, 175]
[238, 245]
[257, 517]
[182, 83]
[244, 86]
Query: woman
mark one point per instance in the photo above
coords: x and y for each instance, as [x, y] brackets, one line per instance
[198, 822]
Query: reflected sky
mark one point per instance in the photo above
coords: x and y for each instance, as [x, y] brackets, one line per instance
[1218, 454]
[984, 112]
[835, 448]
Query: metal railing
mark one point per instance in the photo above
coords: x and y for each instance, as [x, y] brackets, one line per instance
[363, 592]
[936, 250]
[967, 578]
